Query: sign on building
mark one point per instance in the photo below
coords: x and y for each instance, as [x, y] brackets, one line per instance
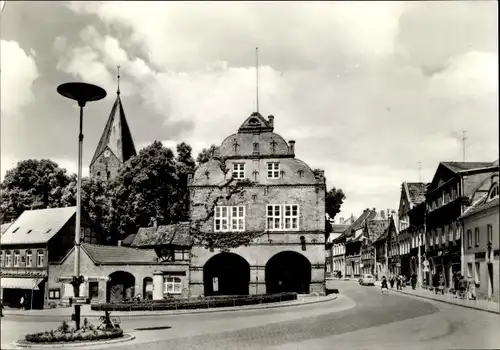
[215, 282]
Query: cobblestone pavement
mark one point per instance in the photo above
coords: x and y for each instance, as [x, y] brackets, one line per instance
[376, 321]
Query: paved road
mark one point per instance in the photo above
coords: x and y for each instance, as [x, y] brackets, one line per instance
[361, 318]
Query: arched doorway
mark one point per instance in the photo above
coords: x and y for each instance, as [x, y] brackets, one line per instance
[226, 274]
[147, 288]
[120, 286]
[288, 272]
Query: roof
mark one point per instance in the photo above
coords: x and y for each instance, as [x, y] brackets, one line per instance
[481, 205]
[367, 214]
[416, 192]
[105, 255]
[459, 166]
[129, 240]
[5, 226]
[37, 226]
[255, 122]
[339, 228]
[116, 135]
[175, 234]
[376, 228]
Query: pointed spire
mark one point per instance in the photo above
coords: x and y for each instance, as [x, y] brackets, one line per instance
[118, 80]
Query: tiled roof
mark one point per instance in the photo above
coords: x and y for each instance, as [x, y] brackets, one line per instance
[367, 214]
[129, 240]
[459, 166]
[106, 255]
[37, 226]
[116, 135]
[376, 228]
[5, 226]
[416, 192]
[339, 228]
[481, 205]
[175, 234]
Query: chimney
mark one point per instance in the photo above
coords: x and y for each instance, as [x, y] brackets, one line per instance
[374, 209]
[291, 147]
[119, 243]
[271, 120]
[341, 221]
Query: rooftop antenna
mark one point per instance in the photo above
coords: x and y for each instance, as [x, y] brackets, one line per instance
[420, 172]
[257, 76]
[463, 144]
[118, 75]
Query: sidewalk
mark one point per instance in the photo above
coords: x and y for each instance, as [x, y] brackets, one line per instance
[87, 312]
[482, 305]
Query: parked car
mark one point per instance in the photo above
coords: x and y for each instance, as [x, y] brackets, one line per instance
[367, 280]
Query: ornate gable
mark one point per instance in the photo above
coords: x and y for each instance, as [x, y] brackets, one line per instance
[255, 123]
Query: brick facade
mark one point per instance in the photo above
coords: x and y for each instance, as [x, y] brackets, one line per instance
[253, 147]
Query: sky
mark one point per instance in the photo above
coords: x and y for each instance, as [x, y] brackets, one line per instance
[366, 89]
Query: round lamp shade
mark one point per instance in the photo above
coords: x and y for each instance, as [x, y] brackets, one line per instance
[81, 92]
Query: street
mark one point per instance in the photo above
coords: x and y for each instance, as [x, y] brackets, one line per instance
[361, 318]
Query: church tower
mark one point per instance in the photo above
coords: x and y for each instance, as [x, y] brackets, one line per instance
[115, 146]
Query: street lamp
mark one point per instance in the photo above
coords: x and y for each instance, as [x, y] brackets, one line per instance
[82, 93]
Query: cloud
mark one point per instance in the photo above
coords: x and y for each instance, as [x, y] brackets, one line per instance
[19, 71]
[367, 89]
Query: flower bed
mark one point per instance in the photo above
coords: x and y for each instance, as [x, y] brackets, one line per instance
[66, 334]
[200, 303]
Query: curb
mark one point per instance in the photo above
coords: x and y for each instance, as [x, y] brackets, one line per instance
[126, 338]
[189, 312]
[450, 302]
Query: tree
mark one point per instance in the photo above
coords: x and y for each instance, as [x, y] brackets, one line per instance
[185, 165]
[146, 188]
[206, 154]
[32, 184]
[333, 201]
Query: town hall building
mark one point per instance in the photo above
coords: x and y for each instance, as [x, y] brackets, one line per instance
[254, 187]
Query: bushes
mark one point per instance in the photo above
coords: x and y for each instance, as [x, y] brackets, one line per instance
[67, 334]
[198, 303]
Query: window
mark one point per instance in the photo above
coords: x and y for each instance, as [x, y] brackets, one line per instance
[94, 290]
[54, 294]
[476, 236]
[172, 285]
[450, 233]
[229, 218]
[477, 274]
[469, 238]
[291, 217]
[17, 258]
[273, 217]
[8, 258]
[239, 170]
[273, 170]
[1, 259]
[282, 217]
[493, 193]
[40, 258]
[490, 234]
[29, 259]
[256, 147]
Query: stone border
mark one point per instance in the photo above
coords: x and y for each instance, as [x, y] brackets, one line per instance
[130, 314]
[24, 344]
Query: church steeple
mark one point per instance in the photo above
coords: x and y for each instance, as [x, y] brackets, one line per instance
[116, 145]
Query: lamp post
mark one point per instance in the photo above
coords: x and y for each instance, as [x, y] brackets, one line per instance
[82, 93]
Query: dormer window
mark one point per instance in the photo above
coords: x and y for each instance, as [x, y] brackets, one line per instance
[493, 192]
[253, 121]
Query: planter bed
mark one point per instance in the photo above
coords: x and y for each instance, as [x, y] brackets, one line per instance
[58, 337]
[198, 303]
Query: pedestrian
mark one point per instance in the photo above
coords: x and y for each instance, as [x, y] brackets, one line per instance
[442, 283]
[462, 287]
[413, 281]
[392, 282]
[435, 283]
[384, 286]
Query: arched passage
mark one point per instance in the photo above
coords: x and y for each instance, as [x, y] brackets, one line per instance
[288, 272]
[147, 292]
[226, 274]
[120, 286]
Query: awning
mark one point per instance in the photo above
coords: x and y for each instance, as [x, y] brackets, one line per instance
[20, 283]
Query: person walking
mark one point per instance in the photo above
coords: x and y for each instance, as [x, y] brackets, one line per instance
[392, 282]
[384, 286]
[442, 283]
[413, 281]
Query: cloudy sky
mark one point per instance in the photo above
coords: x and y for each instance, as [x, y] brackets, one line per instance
[367, 90]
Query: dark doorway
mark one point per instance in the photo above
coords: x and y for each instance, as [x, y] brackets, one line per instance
[491, 290]
[120, 286]
[288, 272]
[226, 274]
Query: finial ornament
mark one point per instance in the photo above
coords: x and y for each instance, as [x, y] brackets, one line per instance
[118, 74]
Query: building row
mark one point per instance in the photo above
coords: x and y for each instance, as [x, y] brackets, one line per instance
[447, 227]
[254, 190]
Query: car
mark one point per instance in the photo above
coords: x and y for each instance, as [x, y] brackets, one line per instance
[367, 280]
